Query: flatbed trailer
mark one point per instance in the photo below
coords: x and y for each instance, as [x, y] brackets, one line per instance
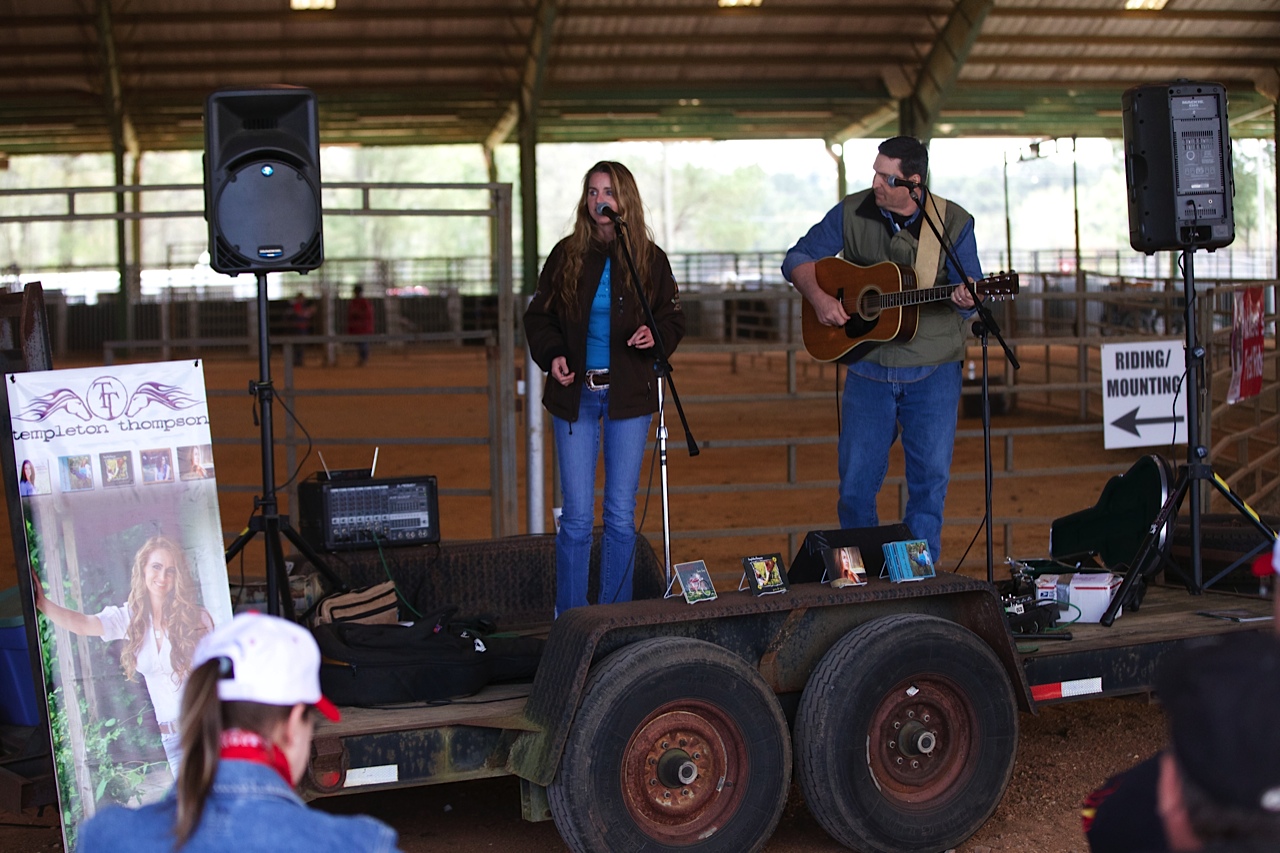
[660, 725]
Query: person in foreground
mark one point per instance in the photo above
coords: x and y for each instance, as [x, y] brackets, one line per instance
[1123, 815]
[246, 730]
[588, 331]
[1217, 781]
[910, 387]
[1219, 786]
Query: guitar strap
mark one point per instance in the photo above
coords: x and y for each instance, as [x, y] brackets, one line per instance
[928, 249]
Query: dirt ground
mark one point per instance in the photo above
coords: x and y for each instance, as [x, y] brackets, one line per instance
[1064, 752]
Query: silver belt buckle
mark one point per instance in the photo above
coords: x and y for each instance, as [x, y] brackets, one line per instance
[592, 375]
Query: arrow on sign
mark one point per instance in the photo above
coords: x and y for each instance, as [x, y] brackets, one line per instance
[1130, 422]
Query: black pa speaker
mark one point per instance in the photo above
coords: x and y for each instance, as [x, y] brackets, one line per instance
[262, 181]
[808, 566]
[1177, 153]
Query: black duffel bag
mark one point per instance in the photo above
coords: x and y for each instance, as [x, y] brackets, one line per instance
[430, 661]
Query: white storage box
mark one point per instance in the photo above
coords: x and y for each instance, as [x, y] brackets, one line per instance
[1092, 593]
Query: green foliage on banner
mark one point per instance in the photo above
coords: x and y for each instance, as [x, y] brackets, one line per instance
[112, 781]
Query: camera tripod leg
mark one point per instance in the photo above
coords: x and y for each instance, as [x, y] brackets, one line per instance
[1146, 562]
[313, 557]
[279, 601]
[1243, 508]
[1148, 559]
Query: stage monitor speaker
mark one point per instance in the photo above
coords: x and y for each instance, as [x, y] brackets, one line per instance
[808, 565]
[1177, 152]
[262, 181]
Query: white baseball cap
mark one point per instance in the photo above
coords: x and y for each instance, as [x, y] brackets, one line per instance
[272, 661]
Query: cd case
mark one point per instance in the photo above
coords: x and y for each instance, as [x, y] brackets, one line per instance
[764, 575]
[695, 581]
[844, 566]
[908, 560]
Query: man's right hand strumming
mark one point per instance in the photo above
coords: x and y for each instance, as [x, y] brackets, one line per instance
[828, 309]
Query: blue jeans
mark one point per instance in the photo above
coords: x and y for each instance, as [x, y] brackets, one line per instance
[577, 449]
[874, 412]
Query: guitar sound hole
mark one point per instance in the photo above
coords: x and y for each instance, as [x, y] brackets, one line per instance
[859, 325]
[867, 316]
[869, 304]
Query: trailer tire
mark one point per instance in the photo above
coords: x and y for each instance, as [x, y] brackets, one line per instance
[678, 744]
[904, 676]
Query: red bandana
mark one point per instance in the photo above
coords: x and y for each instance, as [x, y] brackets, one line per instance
[250, 746]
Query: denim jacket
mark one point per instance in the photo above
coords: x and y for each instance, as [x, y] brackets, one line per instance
[249, 810]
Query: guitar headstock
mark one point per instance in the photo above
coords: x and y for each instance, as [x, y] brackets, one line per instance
[999, 286]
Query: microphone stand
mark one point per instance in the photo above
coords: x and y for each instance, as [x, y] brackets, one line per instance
[661, 367]
[984, 326]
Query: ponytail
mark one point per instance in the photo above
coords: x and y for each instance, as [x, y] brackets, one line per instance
[202, 722]
[201, 725]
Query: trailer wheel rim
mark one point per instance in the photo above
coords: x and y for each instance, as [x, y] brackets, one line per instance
[683, 771]
[919, 741]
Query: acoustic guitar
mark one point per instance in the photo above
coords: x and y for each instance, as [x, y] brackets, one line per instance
[882, 302]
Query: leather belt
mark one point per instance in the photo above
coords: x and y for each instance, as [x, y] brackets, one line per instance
[597, 380]
[168, 728]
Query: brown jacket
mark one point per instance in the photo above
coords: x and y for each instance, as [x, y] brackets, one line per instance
[633, 389]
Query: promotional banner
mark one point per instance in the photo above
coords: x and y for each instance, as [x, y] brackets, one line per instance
[122, 527]
[1246, 345]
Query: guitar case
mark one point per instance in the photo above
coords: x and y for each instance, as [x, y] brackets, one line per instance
[432, 660]
[1114, 528]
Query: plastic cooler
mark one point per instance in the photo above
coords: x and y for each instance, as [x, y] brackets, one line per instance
[17, 689]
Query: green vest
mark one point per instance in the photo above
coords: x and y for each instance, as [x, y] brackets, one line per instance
[941, 331]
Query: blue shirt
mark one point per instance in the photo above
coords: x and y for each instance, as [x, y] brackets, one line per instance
[826, 239]
[599, 322]
[249, 810]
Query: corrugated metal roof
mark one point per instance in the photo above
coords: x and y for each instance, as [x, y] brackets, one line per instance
[434, 71]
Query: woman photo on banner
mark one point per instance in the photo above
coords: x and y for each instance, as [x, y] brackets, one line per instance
[27, 479]
[160, 624]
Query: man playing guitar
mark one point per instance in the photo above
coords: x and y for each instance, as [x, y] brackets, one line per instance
[910, 385]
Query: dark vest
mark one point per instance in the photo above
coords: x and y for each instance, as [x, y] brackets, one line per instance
[941, 333]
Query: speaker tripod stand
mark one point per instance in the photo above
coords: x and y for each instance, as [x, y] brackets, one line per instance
[266, 518]
[1149, 557]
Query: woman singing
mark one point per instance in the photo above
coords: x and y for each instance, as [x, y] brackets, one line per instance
[587, 329]
[160, 624]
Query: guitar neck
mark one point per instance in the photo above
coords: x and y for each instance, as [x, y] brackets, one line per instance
[905, 298]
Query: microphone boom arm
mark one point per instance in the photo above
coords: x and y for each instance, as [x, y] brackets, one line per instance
[984, 313]
[661, 363]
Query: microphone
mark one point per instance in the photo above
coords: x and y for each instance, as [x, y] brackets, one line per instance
[895, 181]
[603, 209]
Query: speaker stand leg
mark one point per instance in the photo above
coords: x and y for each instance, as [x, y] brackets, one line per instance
[1147, 562]
[266, 518]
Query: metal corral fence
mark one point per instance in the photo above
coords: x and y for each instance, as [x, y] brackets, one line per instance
[350, 420]
[739, 311]
[1057, 333]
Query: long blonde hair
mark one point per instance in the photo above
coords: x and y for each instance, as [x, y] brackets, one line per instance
[184, 619]
[640, 238]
